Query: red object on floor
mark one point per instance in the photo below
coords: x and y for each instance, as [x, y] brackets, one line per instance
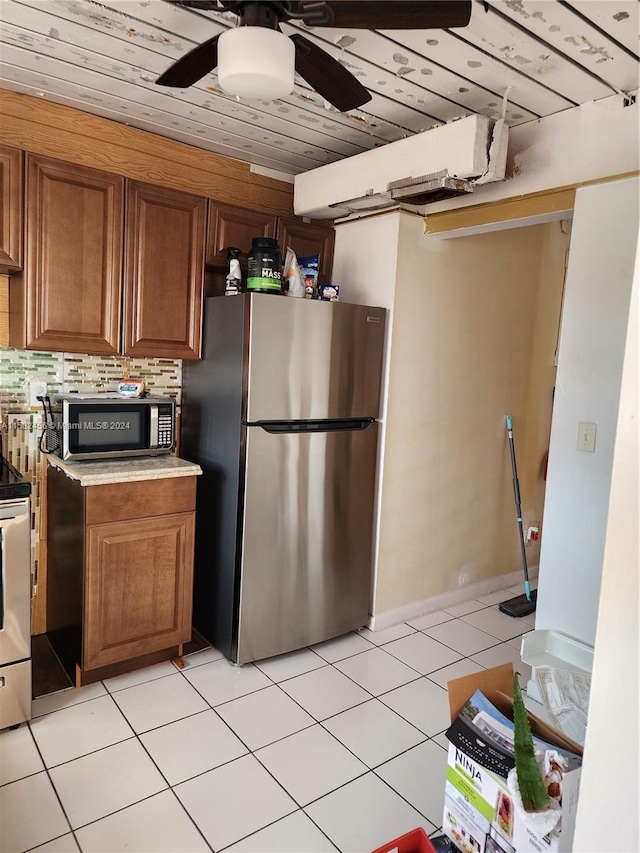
[544, 465]
[416, 841]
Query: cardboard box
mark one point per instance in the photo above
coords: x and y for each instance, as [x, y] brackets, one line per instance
[480, 813]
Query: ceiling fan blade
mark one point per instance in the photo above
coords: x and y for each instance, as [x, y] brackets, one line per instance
[399, 14]
[193, 66]
[325, 74]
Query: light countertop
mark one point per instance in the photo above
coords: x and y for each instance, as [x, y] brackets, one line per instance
[99, 473]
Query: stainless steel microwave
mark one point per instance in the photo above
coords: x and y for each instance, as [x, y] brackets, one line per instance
[109, 426]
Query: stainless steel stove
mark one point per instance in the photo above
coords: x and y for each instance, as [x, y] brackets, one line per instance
[15, 596]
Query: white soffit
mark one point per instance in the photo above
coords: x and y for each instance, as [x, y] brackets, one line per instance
[461, 148]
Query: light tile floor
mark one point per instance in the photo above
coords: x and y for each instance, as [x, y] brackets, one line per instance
[335, 747]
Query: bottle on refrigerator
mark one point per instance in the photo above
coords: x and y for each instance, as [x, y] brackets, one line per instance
[233, 282]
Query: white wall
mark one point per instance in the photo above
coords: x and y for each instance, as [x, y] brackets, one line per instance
[463, 338]
[365, 260]
[532, 440]
[596, 306]
[607, 817]
[365, 266]
[466, 318]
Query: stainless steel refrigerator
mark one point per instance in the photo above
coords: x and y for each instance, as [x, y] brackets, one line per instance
[281, 415]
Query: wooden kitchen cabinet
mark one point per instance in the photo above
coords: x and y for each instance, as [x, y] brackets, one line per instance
[68, 297]
[164, 272]
[235, 226]
[11, 208]
[115, 266]
[137, 587]
[120, 573]
[309, 238]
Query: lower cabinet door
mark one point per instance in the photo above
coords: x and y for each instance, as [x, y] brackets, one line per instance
[139, 583]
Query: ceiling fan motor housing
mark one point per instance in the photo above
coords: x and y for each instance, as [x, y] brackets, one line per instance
[256, 13]
[268, 13]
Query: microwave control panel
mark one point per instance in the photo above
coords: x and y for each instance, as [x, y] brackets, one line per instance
[166, 437]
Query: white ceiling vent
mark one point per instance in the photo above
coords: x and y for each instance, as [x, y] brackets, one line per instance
[438, 163]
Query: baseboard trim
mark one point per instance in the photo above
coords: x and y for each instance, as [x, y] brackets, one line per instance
[447, 599]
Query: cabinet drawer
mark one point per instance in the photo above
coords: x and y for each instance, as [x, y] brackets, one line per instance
[141, 499]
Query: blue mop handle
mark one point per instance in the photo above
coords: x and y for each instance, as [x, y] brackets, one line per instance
[516, 484]
[516, 497]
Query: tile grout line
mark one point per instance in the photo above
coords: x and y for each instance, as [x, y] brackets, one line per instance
[252, 753]
[135, 737]
[55, 791]
[419, 675]
[102, 749]
[274, 684]
[169, 787]
[372, 696]
[320, 723]
[369, 769]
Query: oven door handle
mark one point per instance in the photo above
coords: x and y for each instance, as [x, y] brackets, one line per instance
[11, 509]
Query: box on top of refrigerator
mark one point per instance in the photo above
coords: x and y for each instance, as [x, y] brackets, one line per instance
[482, 809]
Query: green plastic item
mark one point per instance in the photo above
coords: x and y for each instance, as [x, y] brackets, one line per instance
[532, 791]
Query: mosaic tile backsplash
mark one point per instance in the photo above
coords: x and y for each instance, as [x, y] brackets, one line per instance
[20, 437]
[68, 373]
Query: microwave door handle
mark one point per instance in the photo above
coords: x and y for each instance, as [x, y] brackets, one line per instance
[153, 426]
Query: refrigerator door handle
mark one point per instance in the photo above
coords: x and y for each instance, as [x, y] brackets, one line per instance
[287, 427]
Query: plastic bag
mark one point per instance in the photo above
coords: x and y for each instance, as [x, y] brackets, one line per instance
[309, 269]
[292, 274]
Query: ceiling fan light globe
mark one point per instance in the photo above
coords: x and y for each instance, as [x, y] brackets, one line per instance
[255, 62]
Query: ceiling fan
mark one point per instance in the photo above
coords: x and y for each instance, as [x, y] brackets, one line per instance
[256, 60]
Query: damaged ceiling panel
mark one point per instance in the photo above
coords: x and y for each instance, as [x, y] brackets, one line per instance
[521, 58]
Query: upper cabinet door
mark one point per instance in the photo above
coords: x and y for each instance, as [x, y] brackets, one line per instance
[308, 238]
[74, 257]
[11, 211]
[233, 226]
[164, 272]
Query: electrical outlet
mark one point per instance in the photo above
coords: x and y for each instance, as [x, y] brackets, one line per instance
[533, 533]
[36, 389]
[587, 437]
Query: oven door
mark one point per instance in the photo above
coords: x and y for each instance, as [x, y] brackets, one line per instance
[15, 581]
[106, 430]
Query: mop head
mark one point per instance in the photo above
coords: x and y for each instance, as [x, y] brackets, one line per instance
[520, 605]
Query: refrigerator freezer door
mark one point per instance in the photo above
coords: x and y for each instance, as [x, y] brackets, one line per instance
[311, 360]
[307, 540]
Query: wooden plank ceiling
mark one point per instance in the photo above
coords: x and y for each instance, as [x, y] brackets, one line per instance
[543, 56]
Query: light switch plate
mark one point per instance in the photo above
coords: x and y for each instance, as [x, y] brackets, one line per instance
[587, 437]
